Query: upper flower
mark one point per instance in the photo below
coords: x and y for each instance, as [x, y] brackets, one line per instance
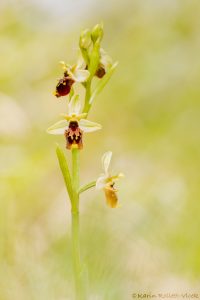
[75, 73]
[106, 181]
[105, 63]
[74, 124]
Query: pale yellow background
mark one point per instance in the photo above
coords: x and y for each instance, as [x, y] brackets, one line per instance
[150, 116]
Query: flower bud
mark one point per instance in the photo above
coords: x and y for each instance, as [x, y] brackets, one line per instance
[97, 33]
[85, 39]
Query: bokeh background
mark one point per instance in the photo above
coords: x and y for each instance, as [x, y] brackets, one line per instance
[150, 113]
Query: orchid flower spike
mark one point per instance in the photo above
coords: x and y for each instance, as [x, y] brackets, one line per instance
[106, 181]
[74, 125]
[72, 74]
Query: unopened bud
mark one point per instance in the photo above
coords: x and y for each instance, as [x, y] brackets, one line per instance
[97, 33]
[85, 39]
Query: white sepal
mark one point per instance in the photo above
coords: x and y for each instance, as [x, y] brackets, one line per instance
[80, 75]
[101, 182]
[74, 106]
[80, 62]
[58, 128]
[88, 126]
[106, 158]
[105, 59]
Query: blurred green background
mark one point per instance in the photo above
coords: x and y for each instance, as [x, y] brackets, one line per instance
[150, 113]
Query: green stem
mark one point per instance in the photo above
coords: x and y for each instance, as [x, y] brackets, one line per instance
[86, 187]
[75, 175]
[80, 294]
[76, 254]
[87, 105]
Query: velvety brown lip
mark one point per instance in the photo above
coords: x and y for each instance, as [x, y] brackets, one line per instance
[64, 86]
[73, 136]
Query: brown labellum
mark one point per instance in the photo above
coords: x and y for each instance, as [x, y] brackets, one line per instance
[64, 86]
[100, 71]
[74, 136]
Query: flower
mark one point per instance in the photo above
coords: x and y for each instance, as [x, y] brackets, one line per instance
[105, 63]
[106, 182]
[73, 125]
[72, 74]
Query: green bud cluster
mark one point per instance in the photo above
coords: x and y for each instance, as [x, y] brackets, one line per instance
[98, 63]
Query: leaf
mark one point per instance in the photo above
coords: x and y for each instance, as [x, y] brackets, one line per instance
[103, 82]
[65, 171]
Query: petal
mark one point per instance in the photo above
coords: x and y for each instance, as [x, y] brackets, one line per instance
[59, 127]
[80, 62]
[105, 59]
[80, 75]
[63, 65]
[81, 116]
[116, 177]
[74, 106]
[88, 126]
[101, 182]
[106, 158]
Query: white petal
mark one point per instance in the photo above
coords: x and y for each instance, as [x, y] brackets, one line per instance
[89, 126]
[74, 106]
[80, 75]
[59, 127]
[106, 158]
[80, 63]
[105, 59]
[101, 182]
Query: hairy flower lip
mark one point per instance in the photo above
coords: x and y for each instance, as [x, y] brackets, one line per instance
[100, 71]
[63, 86]
[73, 136]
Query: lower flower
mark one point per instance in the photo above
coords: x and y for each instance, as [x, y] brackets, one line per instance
[106, 182]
